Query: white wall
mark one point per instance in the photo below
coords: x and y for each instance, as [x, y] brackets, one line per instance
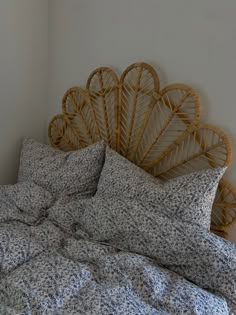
[23, 78]
[193, 42]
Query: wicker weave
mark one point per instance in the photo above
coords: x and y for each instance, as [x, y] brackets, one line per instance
[159, 130]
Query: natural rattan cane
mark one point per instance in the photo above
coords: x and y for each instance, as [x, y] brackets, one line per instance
[159, 130]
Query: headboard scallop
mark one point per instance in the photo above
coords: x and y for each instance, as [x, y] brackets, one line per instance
[157, 129]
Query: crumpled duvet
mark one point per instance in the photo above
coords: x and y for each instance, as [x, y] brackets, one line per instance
[53, 261]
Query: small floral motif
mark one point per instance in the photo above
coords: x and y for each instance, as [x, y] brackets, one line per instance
[189, 197]
[111, 254]
[62, 173]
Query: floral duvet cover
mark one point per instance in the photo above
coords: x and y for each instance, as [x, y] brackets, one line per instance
[103, 257]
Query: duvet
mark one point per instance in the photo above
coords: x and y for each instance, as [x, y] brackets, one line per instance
[103, 257]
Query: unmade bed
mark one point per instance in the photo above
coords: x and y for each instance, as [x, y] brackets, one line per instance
[126, 212]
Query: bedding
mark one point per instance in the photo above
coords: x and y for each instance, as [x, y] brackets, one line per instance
[108, 256]
[192, 252]
[66, 250]
[63, 174]
[189, 197]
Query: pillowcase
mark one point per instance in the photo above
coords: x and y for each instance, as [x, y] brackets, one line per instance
[62, 173]
[189, 197]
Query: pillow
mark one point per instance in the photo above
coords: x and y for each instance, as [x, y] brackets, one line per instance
[122, 178]
[62, 173]
[189, 197]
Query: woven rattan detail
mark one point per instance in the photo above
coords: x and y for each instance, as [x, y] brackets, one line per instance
[157, 129]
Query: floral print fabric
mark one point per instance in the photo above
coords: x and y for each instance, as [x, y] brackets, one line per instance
[189, 198]
[62, 173]
[107, 256]
[189, 250]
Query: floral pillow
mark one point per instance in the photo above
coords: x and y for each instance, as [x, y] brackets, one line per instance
[189, 197]
[62, 173]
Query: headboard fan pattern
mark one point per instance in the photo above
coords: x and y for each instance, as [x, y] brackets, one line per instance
[157, 129]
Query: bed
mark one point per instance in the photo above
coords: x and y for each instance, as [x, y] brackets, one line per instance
[159, 130]
[118, 220]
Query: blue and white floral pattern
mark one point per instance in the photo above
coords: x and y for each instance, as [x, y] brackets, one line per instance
[107, 256]
[63, 174]
[189, 197]
[191, 251]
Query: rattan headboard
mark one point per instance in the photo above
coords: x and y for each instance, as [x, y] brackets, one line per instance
[159, 130]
